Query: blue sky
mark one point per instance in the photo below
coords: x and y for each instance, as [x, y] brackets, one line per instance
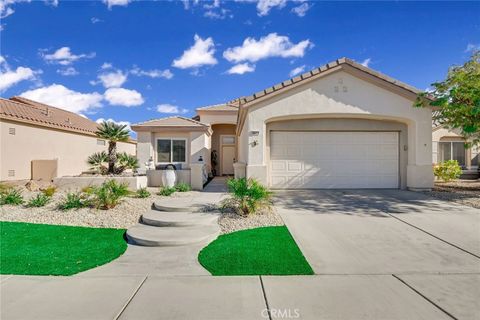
[138, 60]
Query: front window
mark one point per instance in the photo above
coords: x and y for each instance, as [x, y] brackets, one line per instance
[452, 151]
[171, 150]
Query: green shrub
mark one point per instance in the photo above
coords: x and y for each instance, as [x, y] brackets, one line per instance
[448, 170]
[73, 200]
[166, 191]
[40, 200]
[142, 193]
[247, 196]
[11, 196]
[49, 191]
[109, 194]
[97, 162]
[127, 161]
[183, 187]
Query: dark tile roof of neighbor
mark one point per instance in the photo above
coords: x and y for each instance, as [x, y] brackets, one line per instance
[28, 111]
[319, 70]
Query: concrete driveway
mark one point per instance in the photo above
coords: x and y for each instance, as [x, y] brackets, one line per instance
[430, 246]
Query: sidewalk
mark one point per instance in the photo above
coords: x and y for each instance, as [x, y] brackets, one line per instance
[204, 297]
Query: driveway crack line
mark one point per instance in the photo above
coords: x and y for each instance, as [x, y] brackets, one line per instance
[130, 299]
[424, 297]
[432, 235]
[265, 297]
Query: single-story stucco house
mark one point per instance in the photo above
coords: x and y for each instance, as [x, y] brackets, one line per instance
[42, 142]
[341, 125]
[449, 144]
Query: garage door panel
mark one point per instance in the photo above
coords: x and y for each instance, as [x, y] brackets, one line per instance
[334, 160]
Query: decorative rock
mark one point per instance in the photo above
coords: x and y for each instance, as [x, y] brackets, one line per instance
[32, 186]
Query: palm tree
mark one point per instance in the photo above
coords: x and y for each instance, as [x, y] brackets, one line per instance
[113, 133]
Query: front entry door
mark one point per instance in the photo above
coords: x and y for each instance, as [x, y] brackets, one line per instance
[228, 155]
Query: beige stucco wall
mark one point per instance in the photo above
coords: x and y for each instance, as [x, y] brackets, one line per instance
[341, 95]
[39, 143]
[217, 117]
[198, 144]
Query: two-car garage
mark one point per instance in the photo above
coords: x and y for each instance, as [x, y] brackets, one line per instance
[334, 159]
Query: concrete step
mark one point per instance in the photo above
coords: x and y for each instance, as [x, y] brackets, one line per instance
[178, 219]
[178, 206]
[151, 236]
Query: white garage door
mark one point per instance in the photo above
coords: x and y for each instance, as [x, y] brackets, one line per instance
[333, 160]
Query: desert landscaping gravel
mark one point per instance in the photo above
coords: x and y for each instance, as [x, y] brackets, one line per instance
[231, 222]
[465, 192]
[125, 215]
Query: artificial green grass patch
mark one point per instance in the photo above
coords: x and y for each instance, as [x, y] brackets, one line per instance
[260, 251]
[40, 249]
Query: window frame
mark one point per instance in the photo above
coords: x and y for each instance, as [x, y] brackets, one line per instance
[440, 151]
[171, 150]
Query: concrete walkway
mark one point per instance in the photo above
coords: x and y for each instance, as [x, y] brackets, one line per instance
[177, 260]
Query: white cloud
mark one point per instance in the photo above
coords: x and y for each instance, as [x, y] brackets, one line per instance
[366, 62]
[9, 77]
[6, 7]
[126, 123]
[241, 68]
[273, 45]
[219, 14]
[59, 96]
[155, 73]
[70, 71]
[112, 79]
[112, 3]
[94, 20]
[302, 9]
[123, 97]
[168, 108]
[472, 47]
[200, 54]
[64, 56]
[297, 70]
[264, 6]
[106, 65]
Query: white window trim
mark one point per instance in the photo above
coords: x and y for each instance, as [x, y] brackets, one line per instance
[171, 149]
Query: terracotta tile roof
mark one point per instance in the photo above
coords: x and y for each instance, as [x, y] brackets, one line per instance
[28, 111]
[219, 107]
[317, 71]
[175, 121]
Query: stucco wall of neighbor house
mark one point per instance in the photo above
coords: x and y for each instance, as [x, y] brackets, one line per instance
[352, 125]
[198, 144]
[217, 117]
[342, 95]
[40, 143]
[218, 131]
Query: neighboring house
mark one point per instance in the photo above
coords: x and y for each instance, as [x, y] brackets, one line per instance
[38, 141]
[450, 145]
[342, 125]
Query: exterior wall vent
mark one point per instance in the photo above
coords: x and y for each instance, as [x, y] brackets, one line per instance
[11, 131]
[11, 173]
[100, 142]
